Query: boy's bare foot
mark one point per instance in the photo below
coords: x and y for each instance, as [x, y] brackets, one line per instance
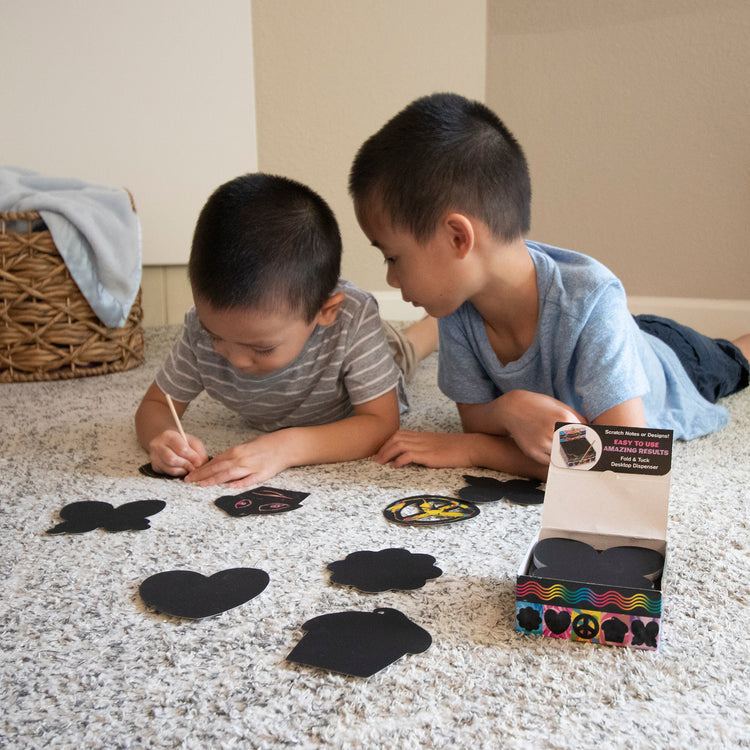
[424, 336]
[743, 344]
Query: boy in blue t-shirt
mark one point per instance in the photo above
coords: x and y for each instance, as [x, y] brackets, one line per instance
[530, 334]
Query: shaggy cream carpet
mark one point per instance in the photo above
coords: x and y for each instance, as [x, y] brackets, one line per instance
[86, 664]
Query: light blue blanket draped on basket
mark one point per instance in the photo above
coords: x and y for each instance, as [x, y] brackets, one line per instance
[95, 230]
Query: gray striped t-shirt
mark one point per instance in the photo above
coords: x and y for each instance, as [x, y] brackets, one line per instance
[346, 363]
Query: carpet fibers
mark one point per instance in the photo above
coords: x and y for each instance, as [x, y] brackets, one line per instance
[85, 663]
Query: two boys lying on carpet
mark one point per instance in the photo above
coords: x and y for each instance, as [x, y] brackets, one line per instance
[530, 334]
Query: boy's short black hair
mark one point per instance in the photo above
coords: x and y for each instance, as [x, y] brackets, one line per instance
[267, 242]
[444, 153]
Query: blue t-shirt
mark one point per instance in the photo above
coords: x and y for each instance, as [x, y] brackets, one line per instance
[588, 352]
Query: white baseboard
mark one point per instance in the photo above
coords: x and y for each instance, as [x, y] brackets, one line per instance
[166, 296]
[726, 318]
[718, 318]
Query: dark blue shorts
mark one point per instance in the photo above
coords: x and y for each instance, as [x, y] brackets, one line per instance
[716, 366]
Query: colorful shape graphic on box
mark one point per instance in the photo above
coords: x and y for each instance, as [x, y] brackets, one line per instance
[587, 625]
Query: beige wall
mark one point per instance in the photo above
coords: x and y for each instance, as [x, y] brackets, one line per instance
[635, 118]
[152, 95]
[329, 73]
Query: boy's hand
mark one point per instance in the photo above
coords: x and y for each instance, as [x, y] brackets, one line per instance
[432, 449]
[529, 418]
[244, 465]
[170, 455]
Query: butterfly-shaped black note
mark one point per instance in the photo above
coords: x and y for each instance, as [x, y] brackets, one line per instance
[488, 489]
[92, 514]
[185, 593]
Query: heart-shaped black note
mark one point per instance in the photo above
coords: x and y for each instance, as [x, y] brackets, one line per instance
[185, 593]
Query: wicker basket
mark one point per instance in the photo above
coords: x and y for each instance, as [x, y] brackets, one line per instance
[48, 330]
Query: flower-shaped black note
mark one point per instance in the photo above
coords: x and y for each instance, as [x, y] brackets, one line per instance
[571, 560]
[261, 501]
[359, 643]
[488, 489]
[185, 593]
[88, 515]
[386, 570]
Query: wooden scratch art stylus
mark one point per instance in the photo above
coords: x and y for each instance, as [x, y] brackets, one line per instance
[176, 418]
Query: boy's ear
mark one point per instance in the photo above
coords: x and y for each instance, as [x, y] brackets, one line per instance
[330, 309]
[461, 233]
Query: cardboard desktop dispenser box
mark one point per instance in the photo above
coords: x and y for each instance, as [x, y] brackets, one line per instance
[607, 486]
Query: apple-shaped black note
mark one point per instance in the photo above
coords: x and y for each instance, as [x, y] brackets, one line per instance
[359, 643]
[186, 593]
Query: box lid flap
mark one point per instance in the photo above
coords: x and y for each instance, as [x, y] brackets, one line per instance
[609, 481]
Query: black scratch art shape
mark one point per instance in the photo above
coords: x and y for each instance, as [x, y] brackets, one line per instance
[386, 570]
[185, 593]
[557, 622]
[261, 501]
[429, 510]
[359, 643]
[488, 489]
[570, 560]
[644, 635]
[614, 630]
[88, 515]
[149, 471]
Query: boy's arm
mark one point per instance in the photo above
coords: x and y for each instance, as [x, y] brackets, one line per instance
[441, 450]
[159, 436]
[525, 417]
[529, 419]
[255, 462]
[513, 434]
[493, 433]
[629, 413]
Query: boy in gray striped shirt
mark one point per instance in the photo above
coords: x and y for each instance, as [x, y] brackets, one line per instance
[279, 338]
